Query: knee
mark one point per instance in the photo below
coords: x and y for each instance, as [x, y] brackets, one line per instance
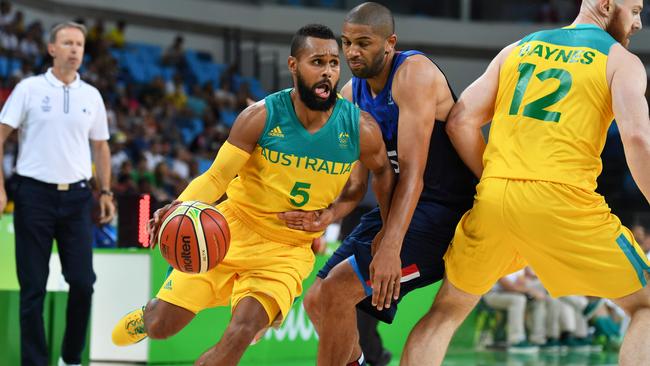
[518, 302]
[451, 305]
[329, 293]
[82, 286]
[243, 330]
[157, 325]
[581, 303]
[311, 302]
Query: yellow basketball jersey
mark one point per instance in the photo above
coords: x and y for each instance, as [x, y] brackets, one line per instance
[291, 169]
[553, 108]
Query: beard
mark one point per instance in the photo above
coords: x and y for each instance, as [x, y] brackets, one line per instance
[312, 101]
[616, 28]
[372, 70]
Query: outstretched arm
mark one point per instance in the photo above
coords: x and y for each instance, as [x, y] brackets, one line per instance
[233, 155]
[628, 86]
[245, 132]
[473, 110]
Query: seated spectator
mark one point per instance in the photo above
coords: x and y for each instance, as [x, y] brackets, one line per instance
[174, 54]
[9, 42]
[196, 102]
[154, 155]
[18, 24]
[119, 152]
[574, 323]
[180, 163]
[116, 38]
[225, 95]
[94, 37]
[125, 183]
[153, 93]
[6, 16]
[165, 182]
[28, 48]
[511, 294]
[176, 94]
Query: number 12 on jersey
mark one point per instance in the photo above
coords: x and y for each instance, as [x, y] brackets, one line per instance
[537, 109]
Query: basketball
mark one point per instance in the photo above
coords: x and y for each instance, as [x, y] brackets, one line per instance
[193, 237]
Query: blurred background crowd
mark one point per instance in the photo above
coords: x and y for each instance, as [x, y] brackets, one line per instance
[170, 108]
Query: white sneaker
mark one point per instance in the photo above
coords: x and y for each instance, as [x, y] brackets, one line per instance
[62, 363]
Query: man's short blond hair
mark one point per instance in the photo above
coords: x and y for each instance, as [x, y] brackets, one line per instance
[55, 29]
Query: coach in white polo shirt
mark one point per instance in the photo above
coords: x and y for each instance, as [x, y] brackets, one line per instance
[59, 118]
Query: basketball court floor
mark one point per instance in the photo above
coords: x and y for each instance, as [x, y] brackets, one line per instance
[485, 358]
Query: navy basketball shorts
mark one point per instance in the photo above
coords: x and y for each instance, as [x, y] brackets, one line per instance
[426, 241]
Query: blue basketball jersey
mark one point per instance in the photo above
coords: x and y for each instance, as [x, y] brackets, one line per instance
[447, 180]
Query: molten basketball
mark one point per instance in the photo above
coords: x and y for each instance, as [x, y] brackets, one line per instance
[193, 237]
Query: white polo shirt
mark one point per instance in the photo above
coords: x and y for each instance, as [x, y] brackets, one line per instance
[55, 125]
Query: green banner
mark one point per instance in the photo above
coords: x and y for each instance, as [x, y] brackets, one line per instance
[295, 343]
[8, 279]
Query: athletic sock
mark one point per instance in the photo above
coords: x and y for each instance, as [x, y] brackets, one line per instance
[360, 362]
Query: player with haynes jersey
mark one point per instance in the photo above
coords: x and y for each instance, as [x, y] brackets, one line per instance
[294, 150]
[551, 98]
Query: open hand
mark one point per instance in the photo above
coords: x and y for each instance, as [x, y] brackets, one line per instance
[313, 221]
[385, 276]
[154, 224]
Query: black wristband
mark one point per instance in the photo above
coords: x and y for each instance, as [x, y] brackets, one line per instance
[106, 192]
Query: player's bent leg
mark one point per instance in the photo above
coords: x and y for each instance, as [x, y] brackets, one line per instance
[158, 320]
[248, 318]
[428, 341]
[311, 303]
[163, 319]
[339, 294]
[635, 349]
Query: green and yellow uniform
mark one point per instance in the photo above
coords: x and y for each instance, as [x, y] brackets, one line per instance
[289, 169]
[536, 202]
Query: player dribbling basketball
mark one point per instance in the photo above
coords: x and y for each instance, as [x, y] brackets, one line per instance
[294, 150]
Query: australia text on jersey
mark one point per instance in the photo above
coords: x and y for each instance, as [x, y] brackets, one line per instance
[305, 162]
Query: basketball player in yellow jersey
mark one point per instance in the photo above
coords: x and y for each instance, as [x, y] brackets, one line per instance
[551, 98]
[294, 150]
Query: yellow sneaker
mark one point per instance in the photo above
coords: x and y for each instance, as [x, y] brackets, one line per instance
[130, 329]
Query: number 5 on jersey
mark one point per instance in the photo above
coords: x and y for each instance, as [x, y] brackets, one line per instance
[300, 194]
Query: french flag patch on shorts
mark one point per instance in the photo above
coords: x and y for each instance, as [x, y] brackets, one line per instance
[408, 273]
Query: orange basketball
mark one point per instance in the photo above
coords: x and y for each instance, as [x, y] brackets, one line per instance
[193, 237]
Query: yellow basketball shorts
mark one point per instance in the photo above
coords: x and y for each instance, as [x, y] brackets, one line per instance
[567, 235]
[254, 266]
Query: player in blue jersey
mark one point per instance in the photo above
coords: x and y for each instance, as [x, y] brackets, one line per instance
[375, 266]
